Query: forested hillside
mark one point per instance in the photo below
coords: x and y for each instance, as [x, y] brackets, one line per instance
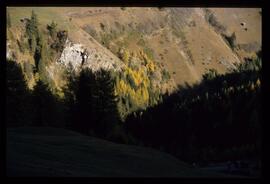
[218, 119]
[188, 84]
[44, 53]
[224, 111]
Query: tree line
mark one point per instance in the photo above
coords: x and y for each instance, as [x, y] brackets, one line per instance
[216, 120]
[89, 106]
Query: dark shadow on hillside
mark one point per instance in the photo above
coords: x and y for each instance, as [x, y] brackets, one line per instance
[37, 107]
[215, 121]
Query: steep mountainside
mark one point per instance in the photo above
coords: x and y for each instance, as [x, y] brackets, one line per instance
[182, 39]
[178, 37]
[152, 49]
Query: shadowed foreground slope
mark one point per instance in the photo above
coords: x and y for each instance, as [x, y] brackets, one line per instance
[58, 152]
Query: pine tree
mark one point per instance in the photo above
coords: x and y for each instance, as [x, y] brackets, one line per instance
[16, 95]
[95, 108]
[32, 43]
[70, 99]
[32, 31]
[84, 110]
[107, 112]
[52, 29]
[41, 58]
[32, 26]
[45, 109]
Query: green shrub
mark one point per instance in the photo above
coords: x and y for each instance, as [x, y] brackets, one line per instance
[52, 29]
[32, 31]
[210, 74]
[59, 43]
[250, 65]
[149, 52]
[165, 75]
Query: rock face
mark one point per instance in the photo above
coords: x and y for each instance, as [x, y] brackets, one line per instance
[76, 56]
[97, 61]
[71, 56]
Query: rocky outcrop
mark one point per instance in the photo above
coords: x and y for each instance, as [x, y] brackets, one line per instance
[71, 56]
[76, 56]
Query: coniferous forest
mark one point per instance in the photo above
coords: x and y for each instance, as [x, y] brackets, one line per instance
[218, 119]
[215, 120]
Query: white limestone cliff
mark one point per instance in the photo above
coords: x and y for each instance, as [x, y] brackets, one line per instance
[76, 56]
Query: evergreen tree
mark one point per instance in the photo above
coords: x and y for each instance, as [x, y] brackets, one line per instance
[206, 119]
[32, 43]
[32, 26]
[32, 31]
[17, 96]
[85, 117]
[95, 109]
[52, 29]
[41, 53]
[107, 112]
[70, 90]
[45, 109]
[41, 58]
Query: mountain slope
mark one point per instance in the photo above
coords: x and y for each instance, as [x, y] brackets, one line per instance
[180, 39]
[58, 152]
[150, 50]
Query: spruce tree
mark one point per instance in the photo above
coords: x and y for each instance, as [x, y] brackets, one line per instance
[32, 31]
[84, 115]
[41, 57]
[107, 111]
[45, 109]
[32, 43]
[95, 106]
[16, 96]
[52, 29]
[32, 26]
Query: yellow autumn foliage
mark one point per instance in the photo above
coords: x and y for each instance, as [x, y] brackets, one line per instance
[140, 96]
[142, 55]
[150, 66]
[134, 82]
[125, 55]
